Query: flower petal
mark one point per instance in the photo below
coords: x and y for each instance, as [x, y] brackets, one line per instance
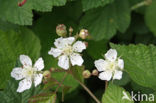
[39, 64]
[105, 75]
[69, 40]
[25, 60]
[38, 79]
[100, 65]
[76, 59]
[79, 46]
[17, 73]
[111, 55]
[55, 52]
[63, 62]
[24, 85]
[121, 63]
[59, 43]
[117, 75]
[62, 42]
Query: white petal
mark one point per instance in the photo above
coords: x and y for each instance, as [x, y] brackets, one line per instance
[117, 75]
[64, 62]
[62, 42]
[39, 64]
[76, 59]
[79, 46]
[25, 60]
[17, 73]
[55, 52]
[100, 64]
[121, 63]
[69, 40]
[59, 43]
[111, 55]
[38, 79]
[105, 75]
[24, 85]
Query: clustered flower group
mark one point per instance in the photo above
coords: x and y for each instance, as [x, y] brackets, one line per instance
[67, 50]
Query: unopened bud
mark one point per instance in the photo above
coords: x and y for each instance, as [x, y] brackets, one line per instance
[95, 72]
[86, 74]
[61, 30]
[52, 69]
[83, 34]
[46, 74]
[70, 29]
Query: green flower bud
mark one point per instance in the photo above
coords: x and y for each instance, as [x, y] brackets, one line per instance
[61, 30]
[95, 72]
[46, 74]
[86, 74]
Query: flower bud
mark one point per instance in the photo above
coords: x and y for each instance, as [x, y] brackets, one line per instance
[86, 74]
[61, 30]
[46, 74]
[52, 69]
[70, 29]
[95, 72]
[83, 34]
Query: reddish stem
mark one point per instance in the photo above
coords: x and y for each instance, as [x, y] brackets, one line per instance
[22, 3]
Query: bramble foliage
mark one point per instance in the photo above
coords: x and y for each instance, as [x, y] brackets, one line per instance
[129, 26]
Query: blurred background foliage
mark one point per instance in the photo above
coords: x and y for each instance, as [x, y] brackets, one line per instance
[31, 30]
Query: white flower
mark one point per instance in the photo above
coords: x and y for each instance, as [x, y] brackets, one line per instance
[28, 74]
[67, 50]
[111, 67]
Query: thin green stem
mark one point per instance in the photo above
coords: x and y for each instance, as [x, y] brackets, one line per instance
[143, 3]
[140, 4]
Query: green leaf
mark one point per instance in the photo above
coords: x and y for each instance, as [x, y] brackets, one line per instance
[104, 22]
[13, 44]
[114, 94]
[148, 102]
[141, 89]
[97, 49]
[10, 11]
[9, 95]
[89, 4]
[44, 98]
[68, 81]
[5, 26]
[150, 15]
[77, 72]
[139, 63]
[125, 80]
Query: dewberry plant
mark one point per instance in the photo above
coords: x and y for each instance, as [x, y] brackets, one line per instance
[77, 51]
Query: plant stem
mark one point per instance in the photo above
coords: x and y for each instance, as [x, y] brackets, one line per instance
[143, 3]
[106, 84]
[89, 92]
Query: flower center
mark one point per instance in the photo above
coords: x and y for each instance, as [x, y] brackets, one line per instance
[111, 66]
[67, 50]
[29, 72]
